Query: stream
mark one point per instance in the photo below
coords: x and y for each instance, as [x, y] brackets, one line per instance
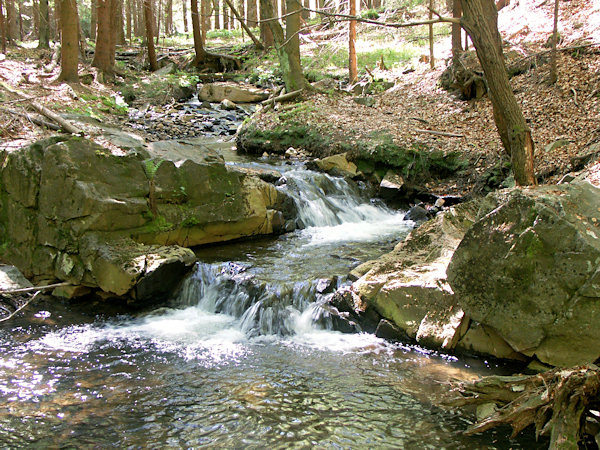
[243, 356]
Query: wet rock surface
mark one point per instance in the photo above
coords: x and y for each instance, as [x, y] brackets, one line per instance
[192, 118]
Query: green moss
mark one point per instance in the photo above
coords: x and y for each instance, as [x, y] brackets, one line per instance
[280, 138]
[411, 162]
[190, 222]
[157, 225]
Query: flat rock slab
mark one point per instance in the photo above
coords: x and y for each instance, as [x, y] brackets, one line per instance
[237, 93]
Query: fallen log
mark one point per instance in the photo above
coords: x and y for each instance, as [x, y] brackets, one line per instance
[282, 98]
[561, 403]
[34, 120]
[65, 124]
[439, 133]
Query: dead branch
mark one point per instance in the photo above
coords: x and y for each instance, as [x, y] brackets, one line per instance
[557, 402]
[347, 17]
[574, 97]
[282, 98]
[65, 124]
[35, 288]
[259, 45]
[34, 120]
[439, 133]
[33, 297]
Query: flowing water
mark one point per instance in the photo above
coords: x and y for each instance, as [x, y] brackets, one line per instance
[243, 357]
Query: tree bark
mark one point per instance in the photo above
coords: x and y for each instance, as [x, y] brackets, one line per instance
[106, 36]
[266, 36]
[12, 29]
[120, 22]
[150, 34]
[93, 18]
[169, 18]
[305, 13]
[158, 17]
[35, 14]
[69, 41]
[129, 14]
[217, 10]
[480, 20]
[288, 46]
[44, 32]
[352, 65]
[225, 16]
[2, 27]
[252, 14]
[456, 34]
[198, 44]
[184, 14]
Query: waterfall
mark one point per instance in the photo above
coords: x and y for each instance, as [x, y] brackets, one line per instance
[336, 213]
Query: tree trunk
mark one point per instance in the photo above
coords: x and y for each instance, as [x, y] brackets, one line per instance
[19, 19]
[120, 23]
[288, 46]
[158, 16]
[252, 19]
[480, 20]
[266, 35]
[2, 27]
[225, 16]
[553, 69]
[12, 28]
[139, 23]
[169, 18]
[456, 34]
[205, 6]
[106, 36]
[352, 65]
[198, 44]
[217, 11]
[35, 14]
[150, 34]
[44, 36]
[129, 15]
[306, 14]
[69, 41]
[184, 14]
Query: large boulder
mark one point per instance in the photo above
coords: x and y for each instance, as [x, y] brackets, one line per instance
[515, 275]
[409, 287]
[73, 210]
[237, 93]
[530, 270]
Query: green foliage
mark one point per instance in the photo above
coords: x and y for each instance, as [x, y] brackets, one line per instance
[190, 222]
[225, 34]
[291, 113]
[332, 57]
[371, 14]
[157, 225]
[151, 167]
[92, 105]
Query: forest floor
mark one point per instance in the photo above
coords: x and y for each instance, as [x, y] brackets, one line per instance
[564, 117]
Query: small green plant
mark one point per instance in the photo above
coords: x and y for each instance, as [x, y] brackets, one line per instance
[151, 167]
[371, 14]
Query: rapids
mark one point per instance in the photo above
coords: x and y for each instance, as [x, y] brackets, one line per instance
[242, 356]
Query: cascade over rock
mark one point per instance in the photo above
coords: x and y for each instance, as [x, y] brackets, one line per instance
[514, 275]
[73, 210]
[408, 286]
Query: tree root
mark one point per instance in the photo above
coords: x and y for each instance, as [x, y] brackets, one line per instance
[560, 403]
